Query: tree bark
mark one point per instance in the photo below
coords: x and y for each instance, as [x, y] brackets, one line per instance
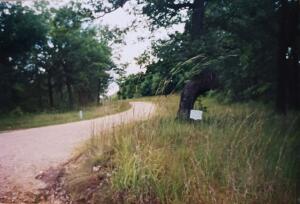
[294, 58]
[288, 73]
[197, 19]
[282, 83]
[50, 90]
[69, 90]
[70, 94]
[205, 81]
[69, 85]
[98, 91]
[40, 94]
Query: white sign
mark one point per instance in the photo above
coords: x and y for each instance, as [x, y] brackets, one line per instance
[80, 115]
[196, 114]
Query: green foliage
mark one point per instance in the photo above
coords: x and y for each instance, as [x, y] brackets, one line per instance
[239, 43]
[86, 76]
[49, 58]
[160, 12]
[20, 31]
[240, 153]
[165, 13]
[235, 155]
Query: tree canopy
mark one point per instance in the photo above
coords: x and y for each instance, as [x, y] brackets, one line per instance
[49, 58]
[53, 58]
[238, 40]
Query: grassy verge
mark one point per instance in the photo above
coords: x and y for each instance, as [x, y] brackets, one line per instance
[27, 120]
[239, 153]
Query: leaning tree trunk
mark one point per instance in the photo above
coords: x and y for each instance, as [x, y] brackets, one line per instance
[188, 97]
[201, 83]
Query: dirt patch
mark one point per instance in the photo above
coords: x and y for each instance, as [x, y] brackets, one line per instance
[96, 187]
[16, 195]
[92, 188]
[57, 189]
[53, 193]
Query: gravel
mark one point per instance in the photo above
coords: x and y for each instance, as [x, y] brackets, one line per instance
[26, 153]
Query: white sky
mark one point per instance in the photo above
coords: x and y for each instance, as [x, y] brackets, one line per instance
[133, 47]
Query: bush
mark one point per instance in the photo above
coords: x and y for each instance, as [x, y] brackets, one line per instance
[17, 112]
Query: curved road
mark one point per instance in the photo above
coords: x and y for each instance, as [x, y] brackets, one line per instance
[25, 153]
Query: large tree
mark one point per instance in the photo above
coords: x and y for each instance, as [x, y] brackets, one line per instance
[238, 42]
[288, 95]
[79, 56]
[167, 13]
[21, 29]
[51, 57]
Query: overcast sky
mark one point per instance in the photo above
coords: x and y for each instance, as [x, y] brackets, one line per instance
[133, 47]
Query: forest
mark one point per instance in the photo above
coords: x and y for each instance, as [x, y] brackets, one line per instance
[252, 46]
[235, 62]
[51, 58]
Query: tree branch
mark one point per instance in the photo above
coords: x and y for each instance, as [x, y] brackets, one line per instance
[180, 6]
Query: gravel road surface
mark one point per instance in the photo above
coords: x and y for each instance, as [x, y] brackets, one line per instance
[26, 153]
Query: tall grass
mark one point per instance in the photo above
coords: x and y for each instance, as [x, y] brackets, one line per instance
[239, 153]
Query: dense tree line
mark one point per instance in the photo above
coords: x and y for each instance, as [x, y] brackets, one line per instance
[51, 58]
[242, 41]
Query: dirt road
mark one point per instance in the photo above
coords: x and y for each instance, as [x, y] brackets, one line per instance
[26, 153]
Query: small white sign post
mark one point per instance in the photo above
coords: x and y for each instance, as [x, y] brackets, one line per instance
[196, 114]
[80, 114]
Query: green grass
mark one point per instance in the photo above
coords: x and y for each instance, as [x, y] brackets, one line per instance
[29, 120]
[239, 153]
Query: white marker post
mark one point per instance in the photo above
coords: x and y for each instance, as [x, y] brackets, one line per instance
[196, 114]
[80, 114]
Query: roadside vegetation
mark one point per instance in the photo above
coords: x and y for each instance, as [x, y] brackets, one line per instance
[64, 62]
[239, 153]
[55, 58]
[18, 119]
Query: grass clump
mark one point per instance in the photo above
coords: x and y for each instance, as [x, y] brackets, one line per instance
[18, 119]
[239, 153]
